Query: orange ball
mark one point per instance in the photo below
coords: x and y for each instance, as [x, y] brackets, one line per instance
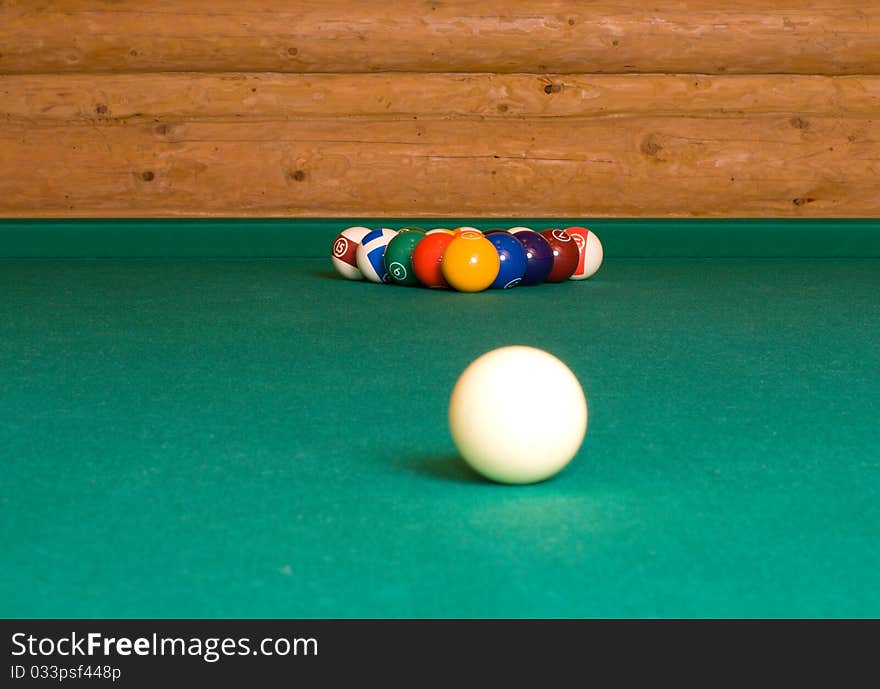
[470, 262]
[427, 257]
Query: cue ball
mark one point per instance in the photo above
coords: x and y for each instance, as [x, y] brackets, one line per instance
[517, 415]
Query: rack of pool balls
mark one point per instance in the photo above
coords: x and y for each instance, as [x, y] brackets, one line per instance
[466, 259]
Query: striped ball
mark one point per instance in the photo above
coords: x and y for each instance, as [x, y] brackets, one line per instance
[344, 252]
[371, 254]
[591, 252]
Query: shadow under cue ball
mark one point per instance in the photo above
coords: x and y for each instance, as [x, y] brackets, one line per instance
[517, 415]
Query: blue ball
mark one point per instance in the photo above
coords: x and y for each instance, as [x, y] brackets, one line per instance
[539, 257]
[370, 254]
[513, 259]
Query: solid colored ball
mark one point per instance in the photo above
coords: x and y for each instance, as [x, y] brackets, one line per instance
[427, 257]
[470, 262]
[539, 257]
[458, 230]
[371, 254]
[565, 254]
[590, 250]
[344, 252]
[517, 415]
[398, 256]
[512, 259]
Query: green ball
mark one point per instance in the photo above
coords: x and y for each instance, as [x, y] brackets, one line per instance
[398, 256]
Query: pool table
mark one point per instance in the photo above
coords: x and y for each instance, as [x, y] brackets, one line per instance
[200, 419]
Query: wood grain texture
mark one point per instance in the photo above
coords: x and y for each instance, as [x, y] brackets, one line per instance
[412, 145]
[537, 36]
[104, 99]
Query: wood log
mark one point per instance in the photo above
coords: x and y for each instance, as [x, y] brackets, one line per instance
[538, 36]
[409, 145]
[107, 98]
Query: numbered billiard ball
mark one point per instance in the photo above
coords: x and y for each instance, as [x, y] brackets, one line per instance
[458, 230]
[344, 252]
[427, 256]
[470, 262]
[565, 254]
[503, 436]
[371, 254]
[512, 259]
[539, 257]
[591, 253]
[398, 256]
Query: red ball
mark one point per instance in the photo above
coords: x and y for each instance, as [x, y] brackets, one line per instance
[427, 257]
[565, 254]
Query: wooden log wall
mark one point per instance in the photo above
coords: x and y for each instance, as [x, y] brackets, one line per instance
[455, 108]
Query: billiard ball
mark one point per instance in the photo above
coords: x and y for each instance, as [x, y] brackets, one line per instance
[427, 256]
[565, 254]
[440, 229]
[517, 415]
[371, 254]
[512, 259]
[458, 230]
[591, 253]
[539, 257]
[398, 256]
[514, 230]
[344, 252]
[470, 262]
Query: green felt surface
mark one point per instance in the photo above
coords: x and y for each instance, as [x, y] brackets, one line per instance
[258, 438]
[311, 238]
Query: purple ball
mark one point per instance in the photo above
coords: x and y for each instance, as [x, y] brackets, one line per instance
[539, 257]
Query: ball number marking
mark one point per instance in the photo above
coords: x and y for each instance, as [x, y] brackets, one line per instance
[561, 235]
[397, 270]
[579, 240]
[340, 247]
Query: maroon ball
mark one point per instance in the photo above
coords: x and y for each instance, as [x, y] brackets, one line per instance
[565, 254]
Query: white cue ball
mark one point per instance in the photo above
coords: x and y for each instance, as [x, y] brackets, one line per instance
[517, 415]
